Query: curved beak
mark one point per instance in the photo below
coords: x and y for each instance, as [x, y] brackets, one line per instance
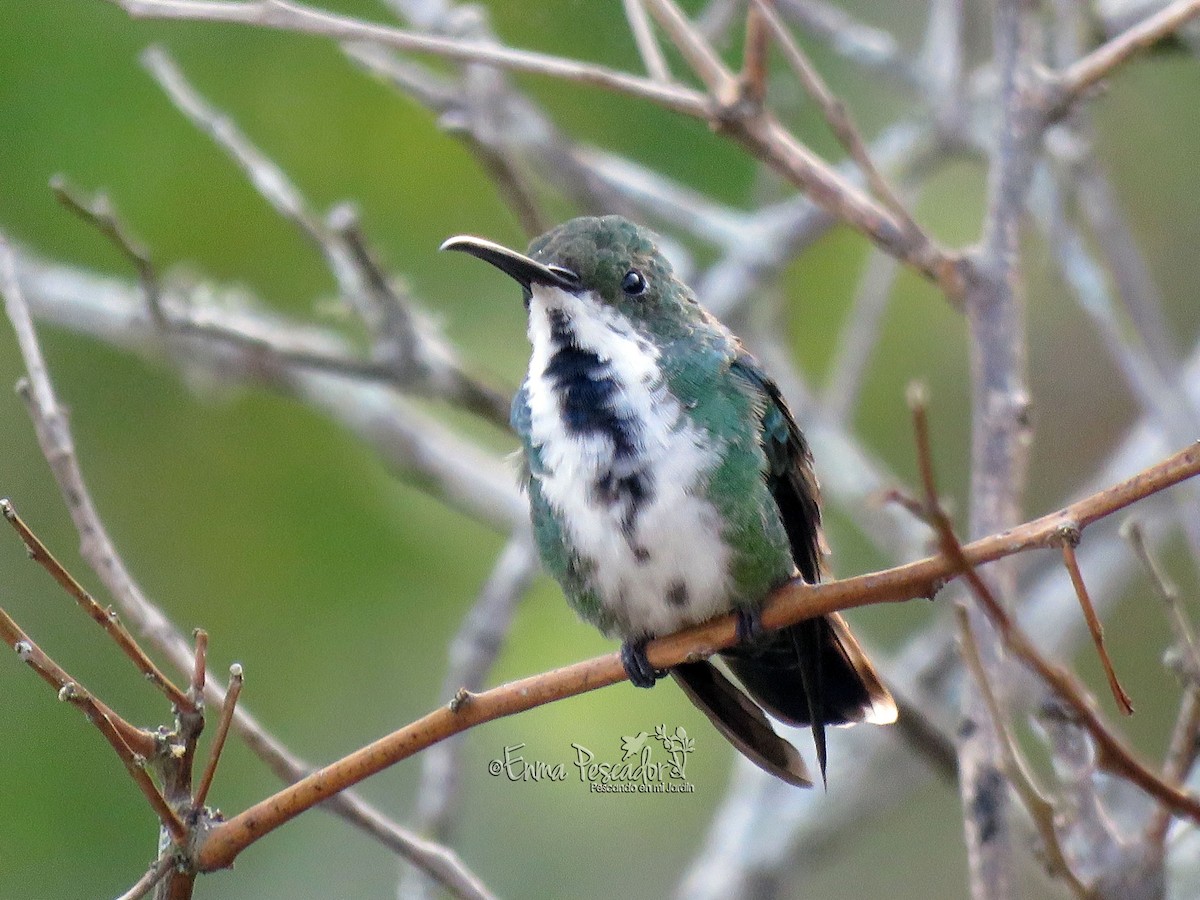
[525, 271]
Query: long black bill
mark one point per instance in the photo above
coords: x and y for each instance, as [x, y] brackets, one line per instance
[527, 272]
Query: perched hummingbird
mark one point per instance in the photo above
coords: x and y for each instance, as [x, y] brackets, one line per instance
[669, 483]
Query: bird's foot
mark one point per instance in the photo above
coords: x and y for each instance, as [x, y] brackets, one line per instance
[637, 666]
[749, 625]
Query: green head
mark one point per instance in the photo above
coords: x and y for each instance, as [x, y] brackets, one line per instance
[610, 260]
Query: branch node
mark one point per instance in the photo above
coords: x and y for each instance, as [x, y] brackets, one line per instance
[1070, 533]
[461, 699]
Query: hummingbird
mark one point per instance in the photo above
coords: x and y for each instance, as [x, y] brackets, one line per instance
[669, 483]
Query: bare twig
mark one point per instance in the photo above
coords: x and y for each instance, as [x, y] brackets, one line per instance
[1168, 591]
[144, 885]
[1114, 755]
[753, 77]
[838, 117]
[1077, 79]
[647, 44]
[1097, 630]
[55, 438]
[287, 16]
[119, 734]
[100, 212]
[200, 668]
[1185, 736]
[419, 361]
[763, 136]
[105, 618]
[227, 709]
[1016, 769]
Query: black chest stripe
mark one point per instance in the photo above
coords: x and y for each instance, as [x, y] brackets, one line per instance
[587, 394]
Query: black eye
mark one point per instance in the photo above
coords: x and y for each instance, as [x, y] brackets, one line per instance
[633, 283]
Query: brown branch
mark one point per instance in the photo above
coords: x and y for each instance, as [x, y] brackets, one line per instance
[1069, 85]
[752, 82]
[766, 139]
[794, 602]
[199, 668]
[236, 680]
[838, 118]
[105, 618]
[761, 135]
[132, 745]
[57, 445]
[1071, 561]
[1114, 755]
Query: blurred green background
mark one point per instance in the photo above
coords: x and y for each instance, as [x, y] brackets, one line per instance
[335, 584]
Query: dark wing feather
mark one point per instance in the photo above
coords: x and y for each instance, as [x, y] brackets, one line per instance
[811, 673]
[789, 472]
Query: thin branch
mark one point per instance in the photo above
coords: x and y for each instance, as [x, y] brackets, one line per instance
[100, 213]
[144, 885]
[286, 16]
[766, 139]
[794, 602]
[1115, 756]
[1072, 83]
[105, 618]
[869, 47]
[1016, 769]
[234, 691]
[647, 44]
[1000, 424]
[838, 117]
[1097, 630]
[762, 136]
[753, 77]
[1185, 736]
[417, 360]
[1168, 591]
[57, 445]
[119, 734]
[200, 668]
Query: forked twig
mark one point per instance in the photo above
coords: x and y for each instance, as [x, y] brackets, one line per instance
[132, 745]
[1015, 767]
[1114, 755]
[105, 618]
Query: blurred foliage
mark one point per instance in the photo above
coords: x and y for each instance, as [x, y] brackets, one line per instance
[335, 584]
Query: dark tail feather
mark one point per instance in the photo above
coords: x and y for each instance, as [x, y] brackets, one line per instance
[737, 717]
[807, 645]
[813, 673]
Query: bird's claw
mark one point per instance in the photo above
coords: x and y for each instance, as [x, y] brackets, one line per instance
[637, 666]
[749, 625]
